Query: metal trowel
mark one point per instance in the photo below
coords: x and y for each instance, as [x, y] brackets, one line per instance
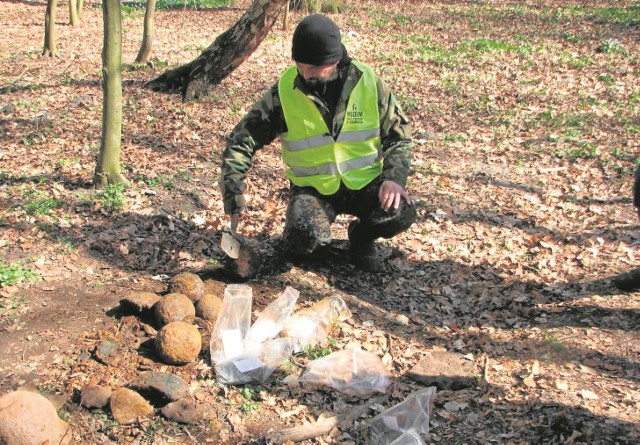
[243, 256]
[231, 245]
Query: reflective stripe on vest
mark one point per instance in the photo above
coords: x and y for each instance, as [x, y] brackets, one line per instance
[313, 157]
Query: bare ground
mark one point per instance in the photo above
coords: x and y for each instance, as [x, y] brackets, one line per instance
[526, 132]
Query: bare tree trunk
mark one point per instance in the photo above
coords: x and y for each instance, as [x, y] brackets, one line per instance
[50, 29]
[285, 18]
[224, 55]
[147, 35]
[80, 4]
[73, 13]
[108, 166]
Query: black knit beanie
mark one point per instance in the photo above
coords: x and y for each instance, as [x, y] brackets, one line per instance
[316, 41]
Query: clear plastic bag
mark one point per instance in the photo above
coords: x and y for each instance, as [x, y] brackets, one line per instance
[232, 324]
[404, 422]
[271, 320]
[353, 372]
[408, 438]
[311, 326]
[247, 368]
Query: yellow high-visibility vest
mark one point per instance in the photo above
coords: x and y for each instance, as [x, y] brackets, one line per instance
[312, 156]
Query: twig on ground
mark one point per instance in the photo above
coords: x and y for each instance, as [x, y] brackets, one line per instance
[323, 426]
[485, 371]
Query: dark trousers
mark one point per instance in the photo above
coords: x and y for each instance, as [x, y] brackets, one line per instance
[310, 215]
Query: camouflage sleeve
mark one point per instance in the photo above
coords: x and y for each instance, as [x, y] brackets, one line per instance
[395, 133]
[261, 125]
[636, 188]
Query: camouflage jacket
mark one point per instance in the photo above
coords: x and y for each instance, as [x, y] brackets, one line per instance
[265, 121]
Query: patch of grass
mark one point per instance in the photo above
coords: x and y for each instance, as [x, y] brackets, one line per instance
[156, 181]
[450, 85]
[250, 395]
[315, 352]
[570, 37]
[409, 103]
[626, 155]
[458, 137]
[626, 16]
[65, 162]
[14, 273]
[585, 150]
[574, 61]
[35, 137]
[247, 407]
[611, 46]
[135, 9]
[425, 50]
[112, 198]
[491, 45]
[607, 79]
[42, 206]
[550, 339]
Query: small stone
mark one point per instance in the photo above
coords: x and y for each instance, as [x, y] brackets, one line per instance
[208, 307]
[128, 406]
[188, 284]
[106, 351]
[29, 418]
[139, 302]
[445, 370]
[178, 343]
[183, 411]
[174, 307]
[95, 396]
[160, 387]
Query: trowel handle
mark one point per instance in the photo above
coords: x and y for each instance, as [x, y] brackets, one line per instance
[235, 217]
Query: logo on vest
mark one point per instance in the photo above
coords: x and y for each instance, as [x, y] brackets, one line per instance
[354, 116]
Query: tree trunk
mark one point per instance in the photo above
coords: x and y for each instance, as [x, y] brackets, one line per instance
[80, 4]
[224, 55]
[108, 166]
[50, 29]
[147, 35]
[73, 12]
[285, 18]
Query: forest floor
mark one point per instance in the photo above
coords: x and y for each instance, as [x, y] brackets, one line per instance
[526, 123]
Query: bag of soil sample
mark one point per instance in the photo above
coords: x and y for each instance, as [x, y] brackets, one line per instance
[232, 324]
[353, 372]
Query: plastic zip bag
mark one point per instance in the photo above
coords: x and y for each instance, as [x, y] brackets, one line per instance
[311, 326]
[404, 422]
[408, 438]
[271, 320]
[247, 368]
[232, 324]
[353, 372]
[260, 353]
